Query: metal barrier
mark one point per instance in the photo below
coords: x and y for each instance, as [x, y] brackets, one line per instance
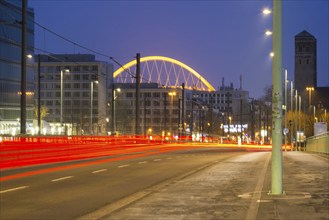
[318, 144]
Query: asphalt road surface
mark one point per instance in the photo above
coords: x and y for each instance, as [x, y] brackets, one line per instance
[71, 190]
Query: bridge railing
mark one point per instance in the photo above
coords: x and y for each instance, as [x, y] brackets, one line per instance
[318, 144]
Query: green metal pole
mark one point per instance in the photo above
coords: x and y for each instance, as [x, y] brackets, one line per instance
[277, 100]
[292, 110]
[285, 107]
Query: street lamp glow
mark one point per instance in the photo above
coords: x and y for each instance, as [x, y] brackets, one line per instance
[267, 11]
[310, 90]
[272, 54]
[268, 33]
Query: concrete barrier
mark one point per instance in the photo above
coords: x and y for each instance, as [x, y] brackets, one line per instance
[318, 144]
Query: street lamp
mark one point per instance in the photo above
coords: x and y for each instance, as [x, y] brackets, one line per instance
[229, 125]
[296, 116]
[310, 90]
[314, 111]
[172, 94]
[285, 108]
[61, 110]
[268, 33]
[114, 97]
[91, 104]
[292, 110]
[266, 11]
[276, 182]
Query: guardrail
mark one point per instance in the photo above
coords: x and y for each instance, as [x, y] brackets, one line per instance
[318, 144]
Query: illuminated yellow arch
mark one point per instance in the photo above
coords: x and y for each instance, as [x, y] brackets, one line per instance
[166, 59]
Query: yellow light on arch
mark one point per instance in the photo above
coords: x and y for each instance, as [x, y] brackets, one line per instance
[166, 59]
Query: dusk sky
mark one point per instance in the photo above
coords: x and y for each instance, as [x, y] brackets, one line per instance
[219, 38]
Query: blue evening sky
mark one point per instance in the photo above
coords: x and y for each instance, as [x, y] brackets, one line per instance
[219, 38]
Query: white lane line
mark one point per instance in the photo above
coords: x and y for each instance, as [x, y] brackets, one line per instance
[156, 159]
[62, 178]
[99, 171]
[122, 166]
[142, 162]
[254, 205]
[169, 158]
[13, 189]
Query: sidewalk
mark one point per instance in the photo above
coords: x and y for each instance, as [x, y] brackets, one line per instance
[238, 189]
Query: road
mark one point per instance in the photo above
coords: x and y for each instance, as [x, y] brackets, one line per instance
[70, 190]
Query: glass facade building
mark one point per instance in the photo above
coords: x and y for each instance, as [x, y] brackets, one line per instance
[10, 66]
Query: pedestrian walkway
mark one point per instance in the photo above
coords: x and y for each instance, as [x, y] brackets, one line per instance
[238, 188]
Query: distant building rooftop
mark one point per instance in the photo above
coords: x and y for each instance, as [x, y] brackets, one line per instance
[304, 33]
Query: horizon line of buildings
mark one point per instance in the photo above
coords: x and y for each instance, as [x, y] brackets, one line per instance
[78, 92]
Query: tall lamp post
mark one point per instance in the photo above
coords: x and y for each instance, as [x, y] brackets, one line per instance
[285, 108]
[276, 183]
[39, 96]
[172, 94]
[310, 90]
[296, 117]
[91, 105]
[23, 69]
[114, 97]
[292, 110]
[229, 125]
[61, 110]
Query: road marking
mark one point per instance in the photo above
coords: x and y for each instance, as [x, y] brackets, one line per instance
[13, 189]
[169, 158]
[122, 166]
[62, 178]
[156, 159]
[98, 171]
[254, 205]
[264, 200]
[142, 162]
[124, 202]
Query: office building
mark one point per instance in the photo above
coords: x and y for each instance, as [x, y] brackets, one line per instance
[80, 107]
[10, 66]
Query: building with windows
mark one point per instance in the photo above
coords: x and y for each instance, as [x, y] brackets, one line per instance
[172, 112]
[74, 90]
[305, 61]
[306, 72]
[10, 66]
